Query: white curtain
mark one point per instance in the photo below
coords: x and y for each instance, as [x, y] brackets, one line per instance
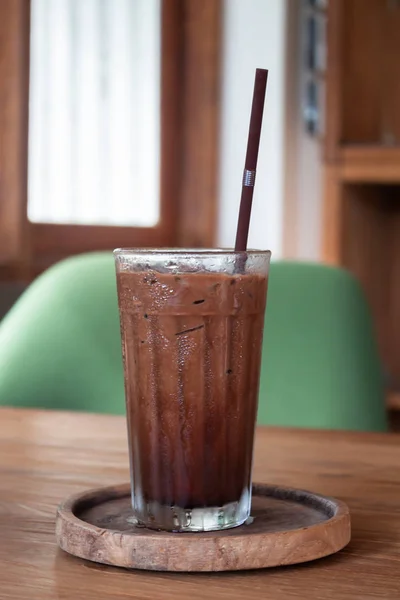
[94, 132]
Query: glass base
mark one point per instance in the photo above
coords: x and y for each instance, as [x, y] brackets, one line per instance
[177, 519]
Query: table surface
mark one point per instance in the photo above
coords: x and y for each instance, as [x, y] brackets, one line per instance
[46, 456]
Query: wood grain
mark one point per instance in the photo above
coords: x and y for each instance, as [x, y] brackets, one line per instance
[46, 456]
[391, 72]
[14, 82]
[363, 52]
[201, 58]
[393, 287]
[371, 70]
[362, 159]
[288, 527]
[367, 251]
[363, 223]
[362, 234]
[369, 164]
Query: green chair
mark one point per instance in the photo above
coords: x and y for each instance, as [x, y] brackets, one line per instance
[60, 346]
[320, 366]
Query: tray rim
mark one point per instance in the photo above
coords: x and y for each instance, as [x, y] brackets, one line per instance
[68, 522]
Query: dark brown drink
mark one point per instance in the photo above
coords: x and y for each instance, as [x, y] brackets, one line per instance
[192, 348]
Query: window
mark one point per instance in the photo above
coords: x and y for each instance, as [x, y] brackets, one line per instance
[94, 120]
[123, 125]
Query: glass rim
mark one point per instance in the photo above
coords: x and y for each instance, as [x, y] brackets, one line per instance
[196, 252]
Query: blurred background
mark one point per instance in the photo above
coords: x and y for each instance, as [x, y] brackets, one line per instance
[124, 123]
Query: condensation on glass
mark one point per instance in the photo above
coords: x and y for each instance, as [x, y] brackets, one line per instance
[192, 328]
[94, 131]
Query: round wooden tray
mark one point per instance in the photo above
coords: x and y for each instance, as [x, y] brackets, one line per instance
[288, 526]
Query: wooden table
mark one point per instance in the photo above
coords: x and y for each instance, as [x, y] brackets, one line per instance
[45, 456]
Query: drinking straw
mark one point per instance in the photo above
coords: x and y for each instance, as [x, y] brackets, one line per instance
[250, 166]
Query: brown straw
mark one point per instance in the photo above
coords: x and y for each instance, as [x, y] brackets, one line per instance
[250, 166]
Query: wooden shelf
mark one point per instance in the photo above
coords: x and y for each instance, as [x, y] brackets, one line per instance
[369, 163]
[361, 175]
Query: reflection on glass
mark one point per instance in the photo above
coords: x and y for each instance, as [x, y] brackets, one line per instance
[94, 133]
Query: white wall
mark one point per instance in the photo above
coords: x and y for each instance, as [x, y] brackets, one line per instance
[303, 167]
[307, 166]
[309, 199]
[254, 36]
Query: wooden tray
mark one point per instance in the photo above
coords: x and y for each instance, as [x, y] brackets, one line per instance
[288, 526]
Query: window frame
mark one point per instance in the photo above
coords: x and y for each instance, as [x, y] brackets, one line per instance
[190, 69]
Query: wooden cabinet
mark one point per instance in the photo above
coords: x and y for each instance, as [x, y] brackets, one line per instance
[361, 164]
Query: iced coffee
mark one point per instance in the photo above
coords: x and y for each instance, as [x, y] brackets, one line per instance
[192, 329]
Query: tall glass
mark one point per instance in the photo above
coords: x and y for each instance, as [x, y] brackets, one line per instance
[192, 327]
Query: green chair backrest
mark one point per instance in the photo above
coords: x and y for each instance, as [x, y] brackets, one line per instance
[60, 346]
[320, 365]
